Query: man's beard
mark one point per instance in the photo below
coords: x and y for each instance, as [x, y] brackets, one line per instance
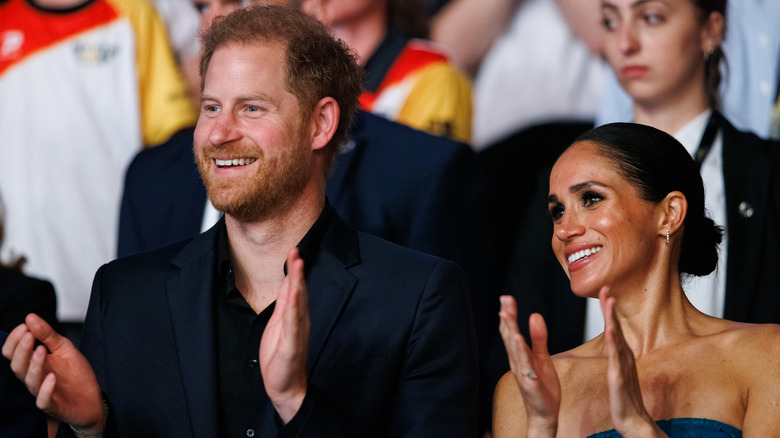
[271, 190]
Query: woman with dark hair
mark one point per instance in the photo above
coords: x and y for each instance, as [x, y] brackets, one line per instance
[667, 56]
[628, 211]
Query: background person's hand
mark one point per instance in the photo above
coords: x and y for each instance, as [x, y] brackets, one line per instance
[57, 374]
[285, 343]
[533, 369]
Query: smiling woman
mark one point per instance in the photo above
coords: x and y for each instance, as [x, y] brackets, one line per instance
[627, 204]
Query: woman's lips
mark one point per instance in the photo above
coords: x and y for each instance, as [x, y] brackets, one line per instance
[633, 71]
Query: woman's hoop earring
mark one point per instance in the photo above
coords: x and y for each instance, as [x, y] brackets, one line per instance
[667, 236]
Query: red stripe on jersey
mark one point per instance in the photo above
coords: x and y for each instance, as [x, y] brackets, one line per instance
[25, 30]
[414, 57]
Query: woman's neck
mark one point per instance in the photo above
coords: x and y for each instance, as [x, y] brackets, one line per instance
[655, 312]
[672, 116]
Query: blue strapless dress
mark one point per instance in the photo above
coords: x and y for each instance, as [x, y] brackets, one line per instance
[687, 428]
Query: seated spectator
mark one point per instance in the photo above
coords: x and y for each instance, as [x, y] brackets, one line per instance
[84, 85]
[628, 212]
[672, 75]
[412, 188]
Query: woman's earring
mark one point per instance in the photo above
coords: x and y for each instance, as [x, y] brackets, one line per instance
[667, 236]
[708, 53]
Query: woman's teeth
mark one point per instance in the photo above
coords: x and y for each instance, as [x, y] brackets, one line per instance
[584, 253]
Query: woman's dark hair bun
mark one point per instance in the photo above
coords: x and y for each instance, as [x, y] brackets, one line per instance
[699, 253]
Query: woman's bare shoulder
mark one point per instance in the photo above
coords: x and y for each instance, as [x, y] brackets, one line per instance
[752, 351]
[756, 349]
[753, 339]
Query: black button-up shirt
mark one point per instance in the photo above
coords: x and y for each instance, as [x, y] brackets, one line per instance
[244, 407]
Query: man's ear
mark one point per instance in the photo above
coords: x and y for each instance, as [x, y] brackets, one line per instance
[674, 211]
[323, 122]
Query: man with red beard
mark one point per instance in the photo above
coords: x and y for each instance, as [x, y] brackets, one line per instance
[233, 333]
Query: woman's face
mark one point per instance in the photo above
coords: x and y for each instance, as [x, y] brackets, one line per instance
[656, 48]
[604, 233]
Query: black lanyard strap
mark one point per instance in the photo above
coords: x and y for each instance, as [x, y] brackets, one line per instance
[708, 138]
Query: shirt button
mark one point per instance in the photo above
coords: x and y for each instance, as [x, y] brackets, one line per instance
[250, 433]
[253, 363]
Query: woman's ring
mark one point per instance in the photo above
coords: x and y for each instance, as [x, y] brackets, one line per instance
[531, 375]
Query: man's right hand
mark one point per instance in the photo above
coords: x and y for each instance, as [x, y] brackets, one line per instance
[57, 374]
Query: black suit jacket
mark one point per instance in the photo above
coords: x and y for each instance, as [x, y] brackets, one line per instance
[392, 350]
[751, 170]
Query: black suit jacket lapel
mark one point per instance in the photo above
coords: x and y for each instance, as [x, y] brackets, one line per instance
[190, 299]
[330, 284]
[746, 172]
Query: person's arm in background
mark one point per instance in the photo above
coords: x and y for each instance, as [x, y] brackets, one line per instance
[584, 19]
[166, 107]
[469, 27]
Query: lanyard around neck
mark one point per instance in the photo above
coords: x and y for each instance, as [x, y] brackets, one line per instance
[708, 138]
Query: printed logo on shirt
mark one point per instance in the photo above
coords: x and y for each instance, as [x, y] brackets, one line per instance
[12, 41]
[87, 53]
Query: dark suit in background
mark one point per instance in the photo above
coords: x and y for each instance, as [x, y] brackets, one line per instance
[752, 184]
[391, 352]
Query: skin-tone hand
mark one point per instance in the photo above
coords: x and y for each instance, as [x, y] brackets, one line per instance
[627, 409]
[61, 379]
[542, 393]
[285, 343]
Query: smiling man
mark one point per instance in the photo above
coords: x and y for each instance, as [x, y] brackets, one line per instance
[281, 320]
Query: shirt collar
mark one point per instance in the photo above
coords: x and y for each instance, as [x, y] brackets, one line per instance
[308, 247]
[690, 134]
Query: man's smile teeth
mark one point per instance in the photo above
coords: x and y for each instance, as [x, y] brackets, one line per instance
[579, 255]
[235, 162]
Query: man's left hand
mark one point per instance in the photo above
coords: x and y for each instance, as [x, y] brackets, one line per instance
[285, 343]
